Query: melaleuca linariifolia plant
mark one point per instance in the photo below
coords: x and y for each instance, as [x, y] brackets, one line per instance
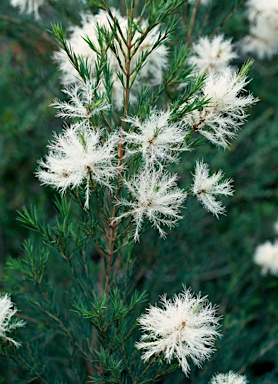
[134, 107]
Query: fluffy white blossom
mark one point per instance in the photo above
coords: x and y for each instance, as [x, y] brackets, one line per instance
[81, 102]
[206, 187]
[228, 378]
[28, 6]
[212, 54]
[266, 256]
[221, 118]
[78, 156]
[262, 40]
[156, 138]
[151, 71]
[7, 324]
[184, 328]
[156, 197]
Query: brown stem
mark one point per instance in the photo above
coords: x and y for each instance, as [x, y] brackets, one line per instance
[55, 317]
[146, 5]
[73, 272]
[38, 376]
[192, 22]
[112, 230]
[125, 358]
[260, 354]
[187, 14]
[70, 15]
[215, 274]
[37, 31]
[158, 376]
[146, 369]
[227, 18]
[204, 22]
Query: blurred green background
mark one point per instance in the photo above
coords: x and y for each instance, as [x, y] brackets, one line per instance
[209, 255]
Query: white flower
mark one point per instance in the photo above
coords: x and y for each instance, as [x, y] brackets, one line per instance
[266, 256]
[262, 40]
[184, 328]
[156, 138]
[78, 156]
[28, 6]
[7, 311]
[81, 48]
[81, 102]
[228, 378]
[263, 16]
[206, 187]
[155, 197]
[212, 54]
[152, 70]
[261, 9]
[221, 118]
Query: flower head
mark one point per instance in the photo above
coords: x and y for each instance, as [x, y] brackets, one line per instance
[81, 102]
[221, 118]
[81, 48]
[152, 69]
[228, 378]
[7, 311]
[28, 6]
[212, 54]
[156, 138]
[267, 10]
[266, 256]
[262, 40]
[185, 327]
[78, 156]
[155, 197]
[206, 187]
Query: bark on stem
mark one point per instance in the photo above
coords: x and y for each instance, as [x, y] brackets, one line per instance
[112, 230]
[192, 22]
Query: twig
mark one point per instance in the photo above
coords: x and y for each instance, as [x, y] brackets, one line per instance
[146, 369]
[37, 31]
[227, 18]
[192, 22]
[112, 230]
[259, 355]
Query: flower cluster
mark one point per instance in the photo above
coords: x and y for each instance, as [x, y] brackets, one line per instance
[81, 103]
[212, 54]
[79, 156]
[7, 324]
[228, 378]
[84, 155]
[128, 164]
[156, 197]
[185, 327]
[224, 113]
[28, 6]
[206, 187]
[266, 256]
[153, 67]
[135, 157]
[263, 17]
[156, 138]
